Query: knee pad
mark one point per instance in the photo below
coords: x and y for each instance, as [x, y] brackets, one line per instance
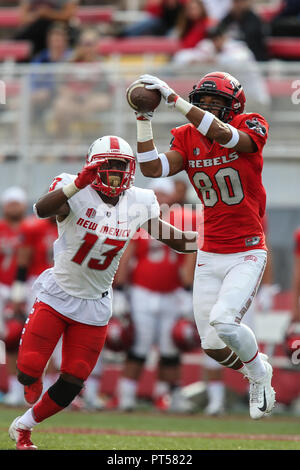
[131, 356]
[78, 368]
[169, 361]
[229, 333]
[63, 392]
[25, 379]
[212, 340]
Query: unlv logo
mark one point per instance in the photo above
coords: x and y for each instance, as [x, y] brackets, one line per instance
[256, 126]
[90, 213]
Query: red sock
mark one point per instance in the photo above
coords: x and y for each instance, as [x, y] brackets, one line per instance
[45, 408]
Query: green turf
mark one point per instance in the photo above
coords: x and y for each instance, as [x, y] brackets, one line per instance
[152, 422]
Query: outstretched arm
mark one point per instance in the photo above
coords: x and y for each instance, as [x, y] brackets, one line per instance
[183, 242]
[55, 202]
[155, 165]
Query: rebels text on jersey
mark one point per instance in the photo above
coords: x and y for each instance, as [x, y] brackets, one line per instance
[229, 185]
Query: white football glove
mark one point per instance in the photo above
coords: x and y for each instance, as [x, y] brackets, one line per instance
[155, 83]
[184, 301]
[265, 296]
[120, 304]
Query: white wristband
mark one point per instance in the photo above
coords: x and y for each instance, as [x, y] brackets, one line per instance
[147, 156]
[70, 189]
[234, 139]
[165, 166]
[183, 106]
[206, 122]
[144, 130]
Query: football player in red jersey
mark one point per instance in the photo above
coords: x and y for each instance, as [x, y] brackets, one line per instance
[14, 205]
[221, 151]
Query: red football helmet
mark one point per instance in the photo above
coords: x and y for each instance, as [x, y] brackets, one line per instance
[185, 335]
[116, 173]
[120, 334]
[292, 340]
[223, 85]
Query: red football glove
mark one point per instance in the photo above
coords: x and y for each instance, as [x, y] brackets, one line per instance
[88, 174]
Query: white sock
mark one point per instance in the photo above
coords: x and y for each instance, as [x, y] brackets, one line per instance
[256, 368]
[161, 388]
[15, 387]
[127, 392]
[216, 392]
[91, 388]
[27, 420]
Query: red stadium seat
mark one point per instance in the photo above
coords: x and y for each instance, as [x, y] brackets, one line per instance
[15, 50]
[95, 14]
[283, 47]
[141, 45]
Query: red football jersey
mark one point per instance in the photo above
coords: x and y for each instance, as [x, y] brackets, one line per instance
[229, 185]
[157, 266]
[9, 242]
[39, 234]
[297, 242]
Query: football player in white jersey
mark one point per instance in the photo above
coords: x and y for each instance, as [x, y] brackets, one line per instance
[97, 214]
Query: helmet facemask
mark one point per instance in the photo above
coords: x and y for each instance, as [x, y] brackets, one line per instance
[231, 105]
[115, 174]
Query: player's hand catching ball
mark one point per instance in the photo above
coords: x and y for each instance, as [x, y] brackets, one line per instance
[88, 174]
[154, 83]
[144, 116]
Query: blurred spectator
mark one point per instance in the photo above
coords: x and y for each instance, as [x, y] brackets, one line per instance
[44, 84]
[193, 24]
[162, 18]
[87, 48]
[85, 92]
[217, 12]
[223, 51]
[287, 22]
[37, 16]
[243, 24]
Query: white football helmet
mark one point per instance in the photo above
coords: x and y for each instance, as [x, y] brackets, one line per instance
[116, 173]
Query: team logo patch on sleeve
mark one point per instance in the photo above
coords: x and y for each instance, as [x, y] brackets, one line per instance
[256, 126]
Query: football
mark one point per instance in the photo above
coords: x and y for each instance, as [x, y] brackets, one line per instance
[142, 100]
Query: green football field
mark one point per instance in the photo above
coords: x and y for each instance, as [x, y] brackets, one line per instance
[152, 431]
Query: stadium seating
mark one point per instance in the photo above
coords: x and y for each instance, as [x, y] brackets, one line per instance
[9, 17]
[284, 47]
[14, 50]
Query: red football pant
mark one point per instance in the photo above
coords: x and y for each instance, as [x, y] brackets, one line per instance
[81, 344]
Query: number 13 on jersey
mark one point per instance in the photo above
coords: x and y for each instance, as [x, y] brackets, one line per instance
[105, 259]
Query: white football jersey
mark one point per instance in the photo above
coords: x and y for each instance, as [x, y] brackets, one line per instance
[93, 237]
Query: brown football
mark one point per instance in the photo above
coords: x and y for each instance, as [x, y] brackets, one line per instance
[141, 99]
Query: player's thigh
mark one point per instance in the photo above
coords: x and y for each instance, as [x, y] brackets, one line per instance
[206, 289]
[40, 335]
[143, 311]
[239, 287]
[81, 347]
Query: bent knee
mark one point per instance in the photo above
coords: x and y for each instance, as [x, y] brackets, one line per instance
[228, 333]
